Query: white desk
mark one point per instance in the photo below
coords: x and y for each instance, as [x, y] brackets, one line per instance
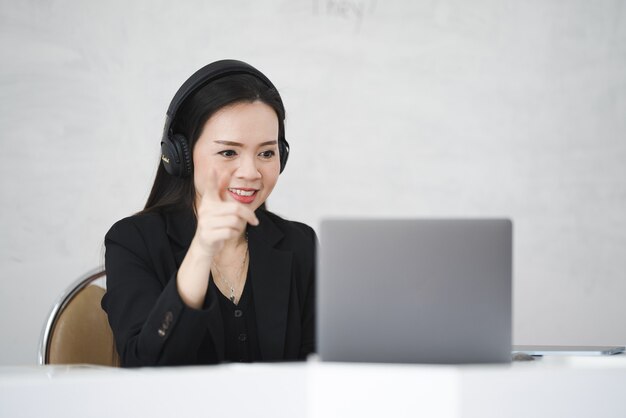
[550, 387]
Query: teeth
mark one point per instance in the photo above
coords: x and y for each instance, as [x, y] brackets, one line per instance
[243, 192]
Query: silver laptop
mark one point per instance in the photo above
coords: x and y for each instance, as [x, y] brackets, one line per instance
[415, 291]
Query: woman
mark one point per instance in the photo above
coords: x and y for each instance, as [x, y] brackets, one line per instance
[204, 274]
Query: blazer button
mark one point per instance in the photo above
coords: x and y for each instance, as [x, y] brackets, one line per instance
[165, 325]
[243, 337]
[238, 313]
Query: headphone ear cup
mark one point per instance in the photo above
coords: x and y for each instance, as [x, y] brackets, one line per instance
[283, 153]
[183, 147]
[175, 155]
[169, 157]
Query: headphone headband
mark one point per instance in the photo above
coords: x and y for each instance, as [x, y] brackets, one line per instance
[209, 73]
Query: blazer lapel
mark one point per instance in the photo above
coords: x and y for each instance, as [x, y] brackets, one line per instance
[271, 285]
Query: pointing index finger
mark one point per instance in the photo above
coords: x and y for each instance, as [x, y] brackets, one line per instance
[215, 188]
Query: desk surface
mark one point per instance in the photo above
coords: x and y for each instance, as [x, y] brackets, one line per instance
[550, 387]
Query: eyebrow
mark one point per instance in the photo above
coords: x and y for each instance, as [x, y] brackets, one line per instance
[237, 144]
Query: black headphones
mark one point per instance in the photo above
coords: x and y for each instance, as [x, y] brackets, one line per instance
[175, 152]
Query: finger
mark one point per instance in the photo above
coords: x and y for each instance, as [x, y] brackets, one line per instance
[215, 187]
[247, 214]
[226, 221]
[222, 185]
[234, 212]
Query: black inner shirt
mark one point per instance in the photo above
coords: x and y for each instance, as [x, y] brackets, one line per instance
[240, 331]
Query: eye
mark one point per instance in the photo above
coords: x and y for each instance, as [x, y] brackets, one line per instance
[229, 153]
[267, 154]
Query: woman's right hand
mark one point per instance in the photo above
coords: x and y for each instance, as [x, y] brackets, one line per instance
[219, 219]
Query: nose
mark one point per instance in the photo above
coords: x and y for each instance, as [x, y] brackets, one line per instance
[248, 168]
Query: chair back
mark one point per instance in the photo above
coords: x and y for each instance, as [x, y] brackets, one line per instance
[77, 330]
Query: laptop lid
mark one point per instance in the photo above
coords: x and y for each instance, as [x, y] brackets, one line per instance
[415, 291]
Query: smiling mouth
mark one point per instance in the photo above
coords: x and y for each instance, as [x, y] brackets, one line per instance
[243, 192]
[245, 196]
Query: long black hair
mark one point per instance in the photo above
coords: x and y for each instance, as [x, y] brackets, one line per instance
[172, 193]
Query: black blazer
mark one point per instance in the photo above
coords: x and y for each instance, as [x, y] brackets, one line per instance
[153, 326]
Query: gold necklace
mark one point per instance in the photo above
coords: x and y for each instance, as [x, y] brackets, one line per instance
[226, 281]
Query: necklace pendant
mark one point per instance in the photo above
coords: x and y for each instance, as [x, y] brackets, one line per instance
[232, 298]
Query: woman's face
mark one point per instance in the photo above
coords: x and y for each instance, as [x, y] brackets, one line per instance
[237, 152]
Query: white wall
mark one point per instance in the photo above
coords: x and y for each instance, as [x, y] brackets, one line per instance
[395, 108]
